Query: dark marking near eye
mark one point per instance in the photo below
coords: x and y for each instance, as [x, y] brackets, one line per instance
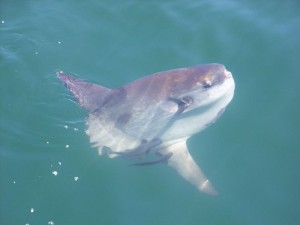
[187, 100]
[183, 103]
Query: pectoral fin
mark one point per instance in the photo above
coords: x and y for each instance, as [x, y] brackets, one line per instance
[184, 164]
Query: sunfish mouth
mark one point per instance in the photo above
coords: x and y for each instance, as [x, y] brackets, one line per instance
[227, 74]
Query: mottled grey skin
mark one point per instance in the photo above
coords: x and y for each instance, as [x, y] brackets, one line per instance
[155, 115]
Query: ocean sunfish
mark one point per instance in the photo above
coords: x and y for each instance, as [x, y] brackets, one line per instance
[152, 118]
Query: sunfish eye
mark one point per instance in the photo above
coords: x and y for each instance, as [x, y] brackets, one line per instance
[207, 84]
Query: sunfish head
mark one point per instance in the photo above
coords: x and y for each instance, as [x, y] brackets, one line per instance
[202, 93]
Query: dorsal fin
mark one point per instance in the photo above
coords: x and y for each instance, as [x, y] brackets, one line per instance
[89, 96]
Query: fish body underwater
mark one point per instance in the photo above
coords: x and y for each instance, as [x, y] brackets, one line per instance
[153, 117]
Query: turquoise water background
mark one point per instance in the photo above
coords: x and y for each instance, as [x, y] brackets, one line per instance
[251, 154]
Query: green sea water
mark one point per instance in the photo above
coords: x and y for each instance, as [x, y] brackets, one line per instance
[50, 173]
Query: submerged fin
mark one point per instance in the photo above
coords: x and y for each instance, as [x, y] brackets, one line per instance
[164, 158]
[184, 164]
[89, 96]
[142, 149]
